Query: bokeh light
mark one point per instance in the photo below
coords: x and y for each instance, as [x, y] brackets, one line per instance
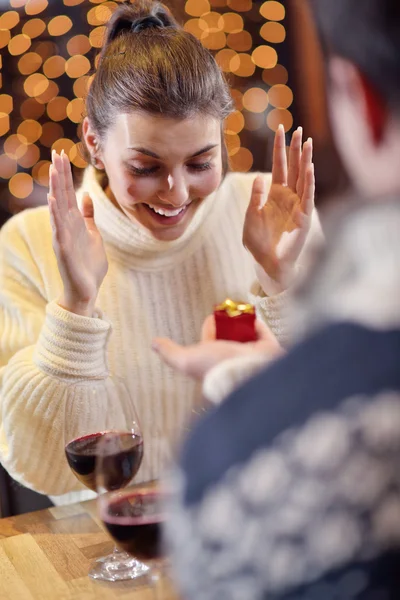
[42, 108]
[273, 11]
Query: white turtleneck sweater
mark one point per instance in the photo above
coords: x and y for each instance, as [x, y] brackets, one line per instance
[152, 288]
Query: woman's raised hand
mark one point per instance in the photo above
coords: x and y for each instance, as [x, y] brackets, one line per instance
[276, 228]
[77, 243]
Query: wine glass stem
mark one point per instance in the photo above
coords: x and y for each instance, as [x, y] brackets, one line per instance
[155, 575]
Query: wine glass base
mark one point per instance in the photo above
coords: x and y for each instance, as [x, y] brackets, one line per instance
[118, 566]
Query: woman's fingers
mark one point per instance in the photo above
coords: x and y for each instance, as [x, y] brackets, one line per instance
[306, 162]
[307, 200]
[279, 166]
[295, 159]
[69, 182]
[258, 196]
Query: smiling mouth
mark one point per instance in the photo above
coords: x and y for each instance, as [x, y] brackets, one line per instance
[165, 212]
[164, 216]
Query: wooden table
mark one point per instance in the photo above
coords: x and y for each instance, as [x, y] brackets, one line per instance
[46, 555]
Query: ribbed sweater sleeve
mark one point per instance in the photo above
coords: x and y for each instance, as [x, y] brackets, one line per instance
[44, 350]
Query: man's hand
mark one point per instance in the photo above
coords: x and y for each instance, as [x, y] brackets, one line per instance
[198, 359]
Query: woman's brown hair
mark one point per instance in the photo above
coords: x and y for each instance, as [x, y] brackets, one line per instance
[149, 63]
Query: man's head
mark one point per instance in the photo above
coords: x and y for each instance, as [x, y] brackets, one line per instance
[361, 41]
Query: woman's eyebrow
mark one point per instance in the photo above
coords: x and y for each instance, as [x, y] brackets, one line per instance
[154, 155]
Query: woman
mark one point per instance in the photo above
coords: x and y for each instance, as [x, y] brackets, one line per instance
[157, 243]
[296, 495]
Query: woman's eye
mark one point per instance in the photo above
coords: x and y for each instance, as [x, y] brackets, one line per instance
[143, 171]
[200, 167]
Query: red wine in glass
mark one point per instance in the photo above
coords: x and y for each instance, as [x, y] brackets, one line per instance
[121, 466]
[110, 435]
[134, 520]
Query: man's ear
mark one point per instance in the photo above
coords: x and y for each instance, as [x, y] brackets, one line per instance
[92, 144]
[350, 80]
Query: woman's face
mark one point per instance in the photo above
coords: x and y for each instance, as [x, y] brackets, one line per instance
[159, 169]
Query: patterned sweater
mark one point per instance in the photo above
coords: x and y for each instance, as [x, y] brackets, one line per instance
[290, 489]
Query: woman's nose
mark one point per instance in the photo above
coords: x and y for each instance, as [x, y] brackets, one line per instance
[175, 191]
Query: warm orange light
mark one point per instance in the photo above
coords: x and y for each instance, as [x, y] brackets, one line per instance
[31, 130]
[232, 22]
[77, 65]
[75, 156]
[211, 22]
[223, 58]
[34, 27]
[51, 133]
[34, 7]
[96, 36]
[29, 63]
[265, 57]
[278, 116]
[242, 65]
[30, 158]
[193, 27]
[80, 86]
[8, 166]
[40, 173]
[276, 75]
[17, 3]
[57, 108]
[213, 41]
[46, 49]
[21, 185]
[9, 19]
[19, 44]
[99, 15]
[75, 110]
[50, 92]
[234, 123]
[237, 97]
[73, 2]
[6, 103]
[240, 5]
[275, 33]
[79, 44]
[35, 84]
[242, 161]
[31, 109]
[5, 37]
[63, 144]
[273, 11]
[218, 3]
[54, 67]
[4, 123]
[281, 96]
[241, 42]
[196, 8]
[232, 143]
[15, 146]
[255, 100]
[59, 25]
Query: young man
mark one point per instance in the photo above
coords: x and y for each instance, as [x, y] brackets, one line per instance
[290, 489]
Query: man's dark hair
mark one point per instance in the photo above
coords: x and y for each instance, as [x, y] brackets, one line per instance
[367, 33]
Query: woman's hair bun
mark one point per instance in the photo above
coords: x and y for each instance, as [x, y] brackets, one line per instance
[137, 17]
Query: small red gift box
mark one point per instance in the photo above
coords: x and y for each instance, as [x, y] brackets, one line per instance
[235, 321]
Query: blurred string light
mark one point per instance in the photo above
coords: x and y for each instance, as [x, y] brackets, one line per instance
[221, 26]
[55, 63]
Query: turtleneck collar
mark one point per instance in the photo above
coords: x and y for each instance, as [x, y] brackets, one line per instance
[132, 242]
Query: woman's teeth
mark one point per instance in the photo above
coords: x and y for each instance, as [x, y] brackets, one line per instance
[166, 213]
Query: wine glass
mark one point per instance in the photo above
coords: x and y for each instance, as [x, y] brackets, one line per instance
[108, 414]
[133, 516]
